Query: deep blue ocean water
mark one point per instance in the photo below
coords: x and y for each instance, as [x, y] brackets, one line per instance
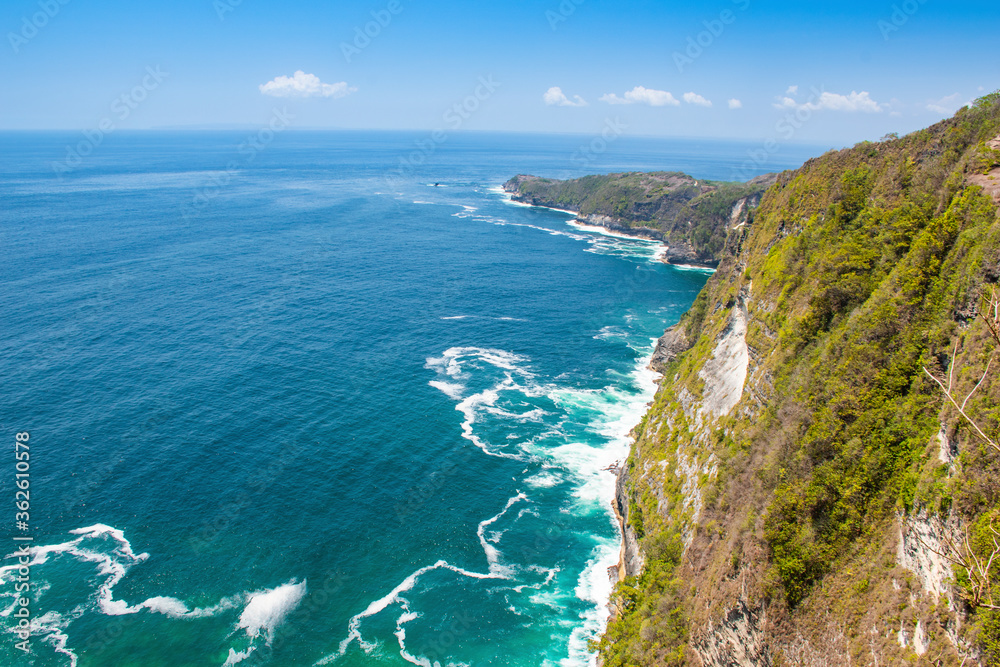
[295, 405]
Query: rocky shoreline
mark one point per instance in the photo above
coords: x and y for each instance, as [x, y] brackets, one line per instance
[630, 560]
[674, 341]
[676, 254]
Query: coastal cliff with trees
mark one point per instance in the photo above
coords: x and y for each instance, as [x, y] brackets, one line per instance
[692, 217]
[818, 479]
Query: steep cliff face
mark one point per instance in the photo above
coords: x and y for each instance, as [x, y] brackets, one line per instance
[692, 217]
[794, 491]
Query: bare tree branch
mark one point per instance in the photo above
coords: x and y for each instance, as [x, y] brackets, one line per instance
[961, 410]
[979, 384]
[992, 314]
[979, 569]
[979, 593]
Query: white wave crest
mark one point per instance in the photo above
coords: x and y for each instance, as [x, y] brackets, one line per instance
[452, 390]
[52, 628]
[266, 610]
[594, 585]
[395, 596]
[492, 553]
[377, 606]
[455, 364]
[113, 556]
[236, 657]
[544, 480]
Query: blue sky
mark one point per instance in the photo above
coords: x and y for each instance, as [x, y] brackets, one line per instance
[861, 69]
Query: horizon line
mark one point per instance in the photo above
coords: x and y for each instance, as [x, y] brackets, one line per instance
[331, 130]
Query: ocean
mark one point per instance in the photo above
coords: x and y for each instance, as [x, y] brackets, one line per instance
[309, 398]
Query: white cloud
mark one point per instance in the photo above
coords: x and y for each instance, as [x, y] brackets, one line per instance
[642, 95]
[792, 90]
[854, 102]
[946, 105]
[735, 104]
[554, 97]
[695, 98]
[304, 85]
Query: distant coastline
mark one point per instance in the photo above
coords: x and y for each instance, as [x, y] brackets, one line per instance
[692, 217]
[599, 224]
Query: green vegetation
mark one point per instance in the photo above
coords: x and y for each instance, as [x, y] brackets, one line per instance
[858, 271]
[986, 159]
[869, 414]
[989, 632]
[660, 638]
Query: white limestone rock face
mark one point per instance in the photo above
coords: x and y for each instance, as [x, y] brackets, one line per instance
[726, 373]
[921, 543]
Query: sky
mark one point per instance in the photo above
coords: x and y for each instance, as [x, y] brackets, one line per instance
[804, 72]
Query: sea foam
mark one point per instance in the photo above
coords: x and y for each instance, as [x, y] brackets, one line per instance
[267, 609]
[396, 596]
[458, 363]
[570, 451]
[113, 556]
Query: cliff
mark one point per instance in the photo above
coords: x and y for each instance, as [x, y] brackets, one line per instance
[800, 486]
[692, 217]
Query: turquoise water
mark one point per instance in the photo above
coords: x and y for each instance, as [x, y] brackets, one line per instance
[302, 407]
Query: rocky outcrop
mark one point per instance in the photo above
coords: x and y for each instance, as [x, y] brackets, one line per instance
[671, 345]
[923, 541]
[683, 253]
[678, 252]
[620, 227]
[631, 560]
[990, 180]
